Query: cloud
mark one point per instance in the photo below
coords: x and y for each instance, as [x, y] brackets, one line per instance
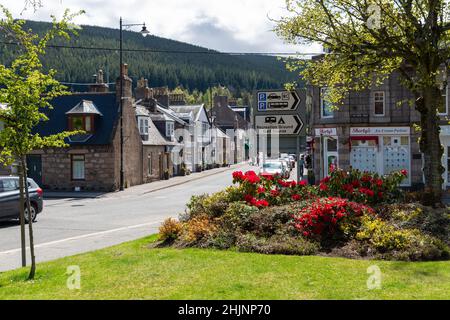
[231, 26]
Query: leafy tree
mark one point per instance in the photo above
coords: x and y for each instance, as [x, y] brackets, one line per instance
[370, 39]
[27, 90]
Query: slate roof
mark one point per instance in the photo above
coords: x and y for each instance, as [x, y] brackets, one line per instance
[225, 117]
[154, 136]
[186, 109]
[84, 107]
[104, 125]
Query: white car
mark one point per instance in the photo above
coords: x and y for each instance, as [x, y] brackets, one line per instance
[274, 167]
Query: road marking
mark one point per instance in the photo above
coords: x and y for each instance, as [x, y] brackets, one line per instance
[83, 236]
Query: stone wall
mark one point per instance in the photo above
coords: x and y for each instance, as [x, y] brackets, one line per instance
[99, 168]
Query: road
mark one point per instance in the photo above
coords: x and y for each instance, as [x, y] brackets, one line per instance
[72, 226]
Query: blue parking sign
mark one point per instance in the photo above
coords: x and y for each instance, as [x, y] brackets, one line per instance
[262, 96]
[262, 105]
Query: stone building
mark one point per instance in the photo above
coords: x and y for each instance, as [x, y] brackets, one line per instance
[372, 131]
[92, 159]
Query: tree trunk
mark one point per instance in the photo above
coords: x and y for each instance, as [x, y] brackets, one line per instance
[430, 145]
[30, 220]
[22, 217]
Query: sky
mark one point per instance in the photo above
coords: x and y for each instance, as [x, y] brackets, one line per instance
[224, 25]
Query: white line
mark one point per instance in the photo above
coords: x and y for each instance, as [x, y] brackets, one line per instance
[83, 236]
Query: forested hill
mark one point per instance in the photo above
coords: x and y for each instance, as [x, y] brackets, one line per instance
[198, 70]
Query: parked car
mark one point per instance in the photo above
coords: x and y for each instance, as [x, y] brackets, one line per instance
[9, 199]
[274, 167]
[288, 170]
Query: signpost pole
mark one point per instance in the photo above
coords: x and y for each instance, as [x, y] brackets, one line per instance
[299, 174]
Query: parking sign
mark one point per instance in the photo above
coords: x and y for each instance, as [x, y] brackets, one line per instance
[262, 105]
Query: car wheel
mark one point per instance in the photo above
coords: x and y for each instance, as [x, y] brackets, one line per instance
[33, 214]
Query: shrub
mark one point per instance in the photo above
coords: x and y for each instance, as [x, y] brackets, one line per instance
[363, 187]
[237, 215]
[324, 216]
[196, 229]
[277, 244]
[216, 204]
[432, 221]
[401, 244]
[169, 230]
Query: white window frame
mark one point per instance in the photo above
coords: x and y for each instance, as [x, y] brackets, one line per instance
[170, 129]
[375, 101]
[446, 103]
[143, 125]
[322, 109]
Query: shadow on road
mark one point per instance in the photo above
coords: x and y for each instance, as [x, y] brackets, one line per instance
[9, 223]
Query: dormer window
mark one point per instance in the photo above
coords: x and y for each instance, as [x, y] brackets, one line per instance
[81, 122]
[82, 117]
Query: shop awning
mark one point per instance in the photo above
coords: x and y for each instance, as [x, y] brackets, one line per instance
[363, 138]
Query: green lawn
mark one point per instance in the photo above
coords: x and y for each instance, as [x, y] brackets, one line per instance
[132, 271]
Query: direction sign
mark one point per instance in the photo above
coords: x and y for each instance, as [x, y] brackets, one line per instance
[278, 100]
[284, 123]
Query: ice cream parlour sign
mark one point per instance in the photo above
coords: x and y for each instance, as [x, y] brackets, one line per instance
[370, 131]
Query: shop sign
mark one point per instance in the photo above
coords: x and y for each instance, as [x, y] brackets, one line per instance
[391, 131]
[325, 132]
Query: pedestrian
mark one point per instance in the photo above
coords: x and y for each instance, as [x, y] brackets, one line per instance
[301, 164]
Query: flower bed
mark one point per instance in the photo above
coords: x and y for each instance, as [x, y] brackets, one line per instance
[348, 214]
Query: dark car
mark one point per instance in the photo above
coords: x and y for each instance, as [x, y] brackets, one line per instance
[9, 199]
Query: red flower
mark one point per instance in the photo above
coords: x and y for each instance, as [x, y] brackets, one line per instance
[251, 177]
[262, 203]
[379, 182]
[323, 187]
[274, 193]
[261, 189]
[325, 180]
[296, 197]
[380, 194]
[356, 183]
[238, 176]
[266, 176]
[302, 183]
[248, 198]
[293, 184]
[404, 172]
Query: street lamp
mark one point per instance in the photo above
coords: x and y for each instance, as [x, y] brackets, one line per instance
[144, 32]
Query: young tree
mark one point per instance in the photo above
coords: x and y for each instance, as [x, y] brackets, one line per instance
[27, 90]
[370, 39]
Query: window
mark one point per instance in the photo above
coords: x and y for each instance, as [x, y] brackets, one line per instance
[7, 185]
[143, 126]
[150, 164]
[169, 129]
[443, 108]
[78, 171]
[81, 122]
[379, 103]
[326, 110]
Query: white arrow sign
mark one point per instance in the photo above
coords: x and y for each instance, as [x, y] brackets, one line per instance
[277, 100]
[284, 123]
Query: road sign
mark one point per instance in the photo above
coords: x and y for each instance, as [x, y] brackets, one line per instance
[278, 100]
[284, 123]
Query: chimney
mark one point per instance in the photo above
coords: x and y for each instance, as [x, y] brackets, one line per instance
[142, 90]
[99, 85]
[161, 94]
[220, 101]
[127, 84]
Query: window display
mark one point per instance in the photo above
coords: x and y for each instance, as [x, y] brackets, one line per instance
[363, 155]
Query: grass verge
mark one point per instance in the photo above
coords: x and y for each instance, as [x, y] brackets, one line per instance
[133, 271]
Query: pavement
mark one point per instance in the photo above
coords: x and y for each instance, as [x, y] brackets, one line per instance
[74, 225]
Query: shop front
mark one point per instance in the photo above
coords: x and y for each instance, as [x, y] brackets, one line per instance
[329, 143]
[381, 149]
[445, 141]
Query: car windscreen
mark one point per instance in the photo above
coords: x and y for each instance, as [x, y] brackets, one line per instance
[272, 165]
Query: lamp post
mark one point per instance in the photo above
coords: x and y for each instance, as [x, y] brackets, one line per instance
[144, 32]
